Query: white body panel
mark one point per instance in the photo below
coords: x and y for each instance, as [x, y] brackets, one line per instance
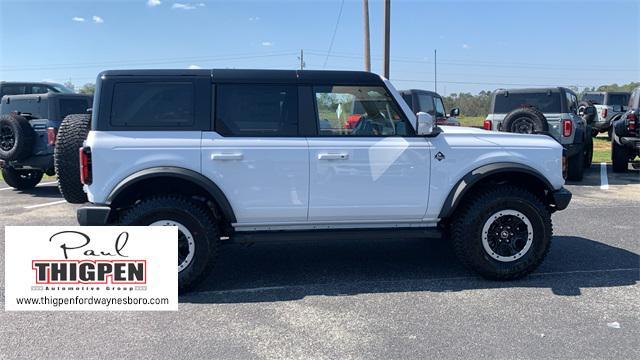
[122, 153]
[265, 179]
[368, 178]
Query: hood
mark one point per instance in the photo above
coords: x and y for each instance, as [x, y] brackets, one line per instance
[504, 139]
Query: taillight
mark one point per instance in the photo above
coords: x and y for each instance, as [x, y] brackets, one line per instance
[567, 127]
[603, 113]
[487, 125]
[632, 122]
[51, 135]
[85, 165]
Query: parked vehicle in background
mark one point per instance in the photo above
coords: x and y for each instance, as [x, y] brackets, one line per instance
[546, 111]
[431, 103]
[271, 157]
[610, 105]
[28, 131]
[625, 142]
[25, 88]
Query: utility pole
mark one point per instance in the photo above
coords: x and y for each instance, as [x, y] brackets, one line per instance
[387, 21]
[367, 47]
[435, 70]
[301, 58]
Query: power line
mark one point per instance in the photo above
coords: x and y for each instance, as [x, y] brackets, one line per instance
[333, 37]
[486, 83]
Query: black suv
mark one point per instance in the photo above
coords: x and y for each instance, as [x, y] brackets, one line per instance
[625, 142]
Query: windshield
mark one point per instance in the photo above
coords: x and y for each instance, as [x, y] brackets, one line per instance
[61, 88]
[596, 99]
[546, 102]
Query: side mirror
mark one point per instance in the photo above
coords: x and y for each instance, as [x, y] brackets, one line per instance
[455, 112]
[425, 123]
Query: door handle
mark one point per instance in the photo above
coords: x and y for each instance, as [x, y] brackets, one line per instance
[227, 156]
[333, 156]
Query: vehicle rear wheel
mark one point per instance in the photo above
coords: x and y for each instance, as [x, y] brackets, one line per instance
[21, 179]
[619, 157]
[71, 135]
[197, 232]
[503, 233]
[575, 166]
[16, 137]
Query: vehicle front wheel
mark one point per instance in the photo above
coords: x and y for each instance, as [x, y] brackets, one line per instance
[502, 233]
[619, 157]
[21, 179]
[588, 153]
[197, 232]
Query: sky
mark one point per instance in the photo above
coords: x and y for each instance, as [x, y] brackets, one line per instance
[481, 45]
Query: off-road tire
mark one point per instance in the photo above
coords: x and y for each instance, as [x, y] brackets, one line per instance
[529, 116]
[466, 231]
[21, 179]
[575, 166]
[582, 105]
[619, 158]
[588, 152]
[16, 137]
[195, 216]
[71, 134]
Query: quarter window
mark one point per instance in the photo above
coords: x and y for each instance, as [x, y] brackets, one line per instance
[153, 104]
[256, 110]
[358, 111]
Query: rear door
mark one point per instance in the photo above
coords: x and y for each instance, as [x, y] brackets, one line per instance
[376, 171]
[255, 154]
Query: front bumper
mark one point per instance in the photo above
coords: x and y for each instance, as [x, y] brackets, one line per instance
[93, 215]
[561, 198]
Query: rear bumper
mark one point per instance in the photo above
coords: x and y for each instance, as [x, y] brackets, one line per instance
[601, 126]
[631, 142]
[93, 215]
[561, 198]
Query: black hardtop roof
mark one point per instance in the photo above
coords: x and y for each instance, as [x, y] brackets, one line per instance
[532, 90]
[606, 92]
[255, 75]
[429, 92]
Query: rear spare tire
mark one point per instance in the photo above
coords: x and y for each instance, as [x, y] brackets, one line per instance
[16, 137]
[21, 179]
[526, 120]
[72, 133]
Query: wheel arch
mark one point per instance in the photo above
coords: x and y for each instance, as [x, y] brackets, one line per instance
[503, 172]
[183, 180]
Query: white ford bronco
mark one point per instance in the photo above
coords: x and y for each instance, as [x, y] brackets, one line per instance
[263, 154]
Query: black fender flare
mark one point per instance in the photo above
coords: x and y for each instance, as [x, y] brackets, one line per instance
[474, 176]
[178, 173]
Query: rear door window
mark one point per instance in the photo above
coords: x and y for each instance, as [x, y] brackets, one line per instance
[153, 104]
[256, 110]
[546, 102]
[13, 90]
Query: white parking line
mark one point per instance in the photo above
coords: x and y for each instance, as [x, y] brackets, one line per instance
[604, 181]
[45, 204]
[44, 183]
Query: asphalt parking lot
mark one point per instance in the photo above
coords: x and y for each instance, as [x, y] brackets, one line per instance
[380, 299]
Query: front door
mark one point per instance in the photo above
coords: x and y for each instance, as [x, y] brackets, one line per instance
[366, 164]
